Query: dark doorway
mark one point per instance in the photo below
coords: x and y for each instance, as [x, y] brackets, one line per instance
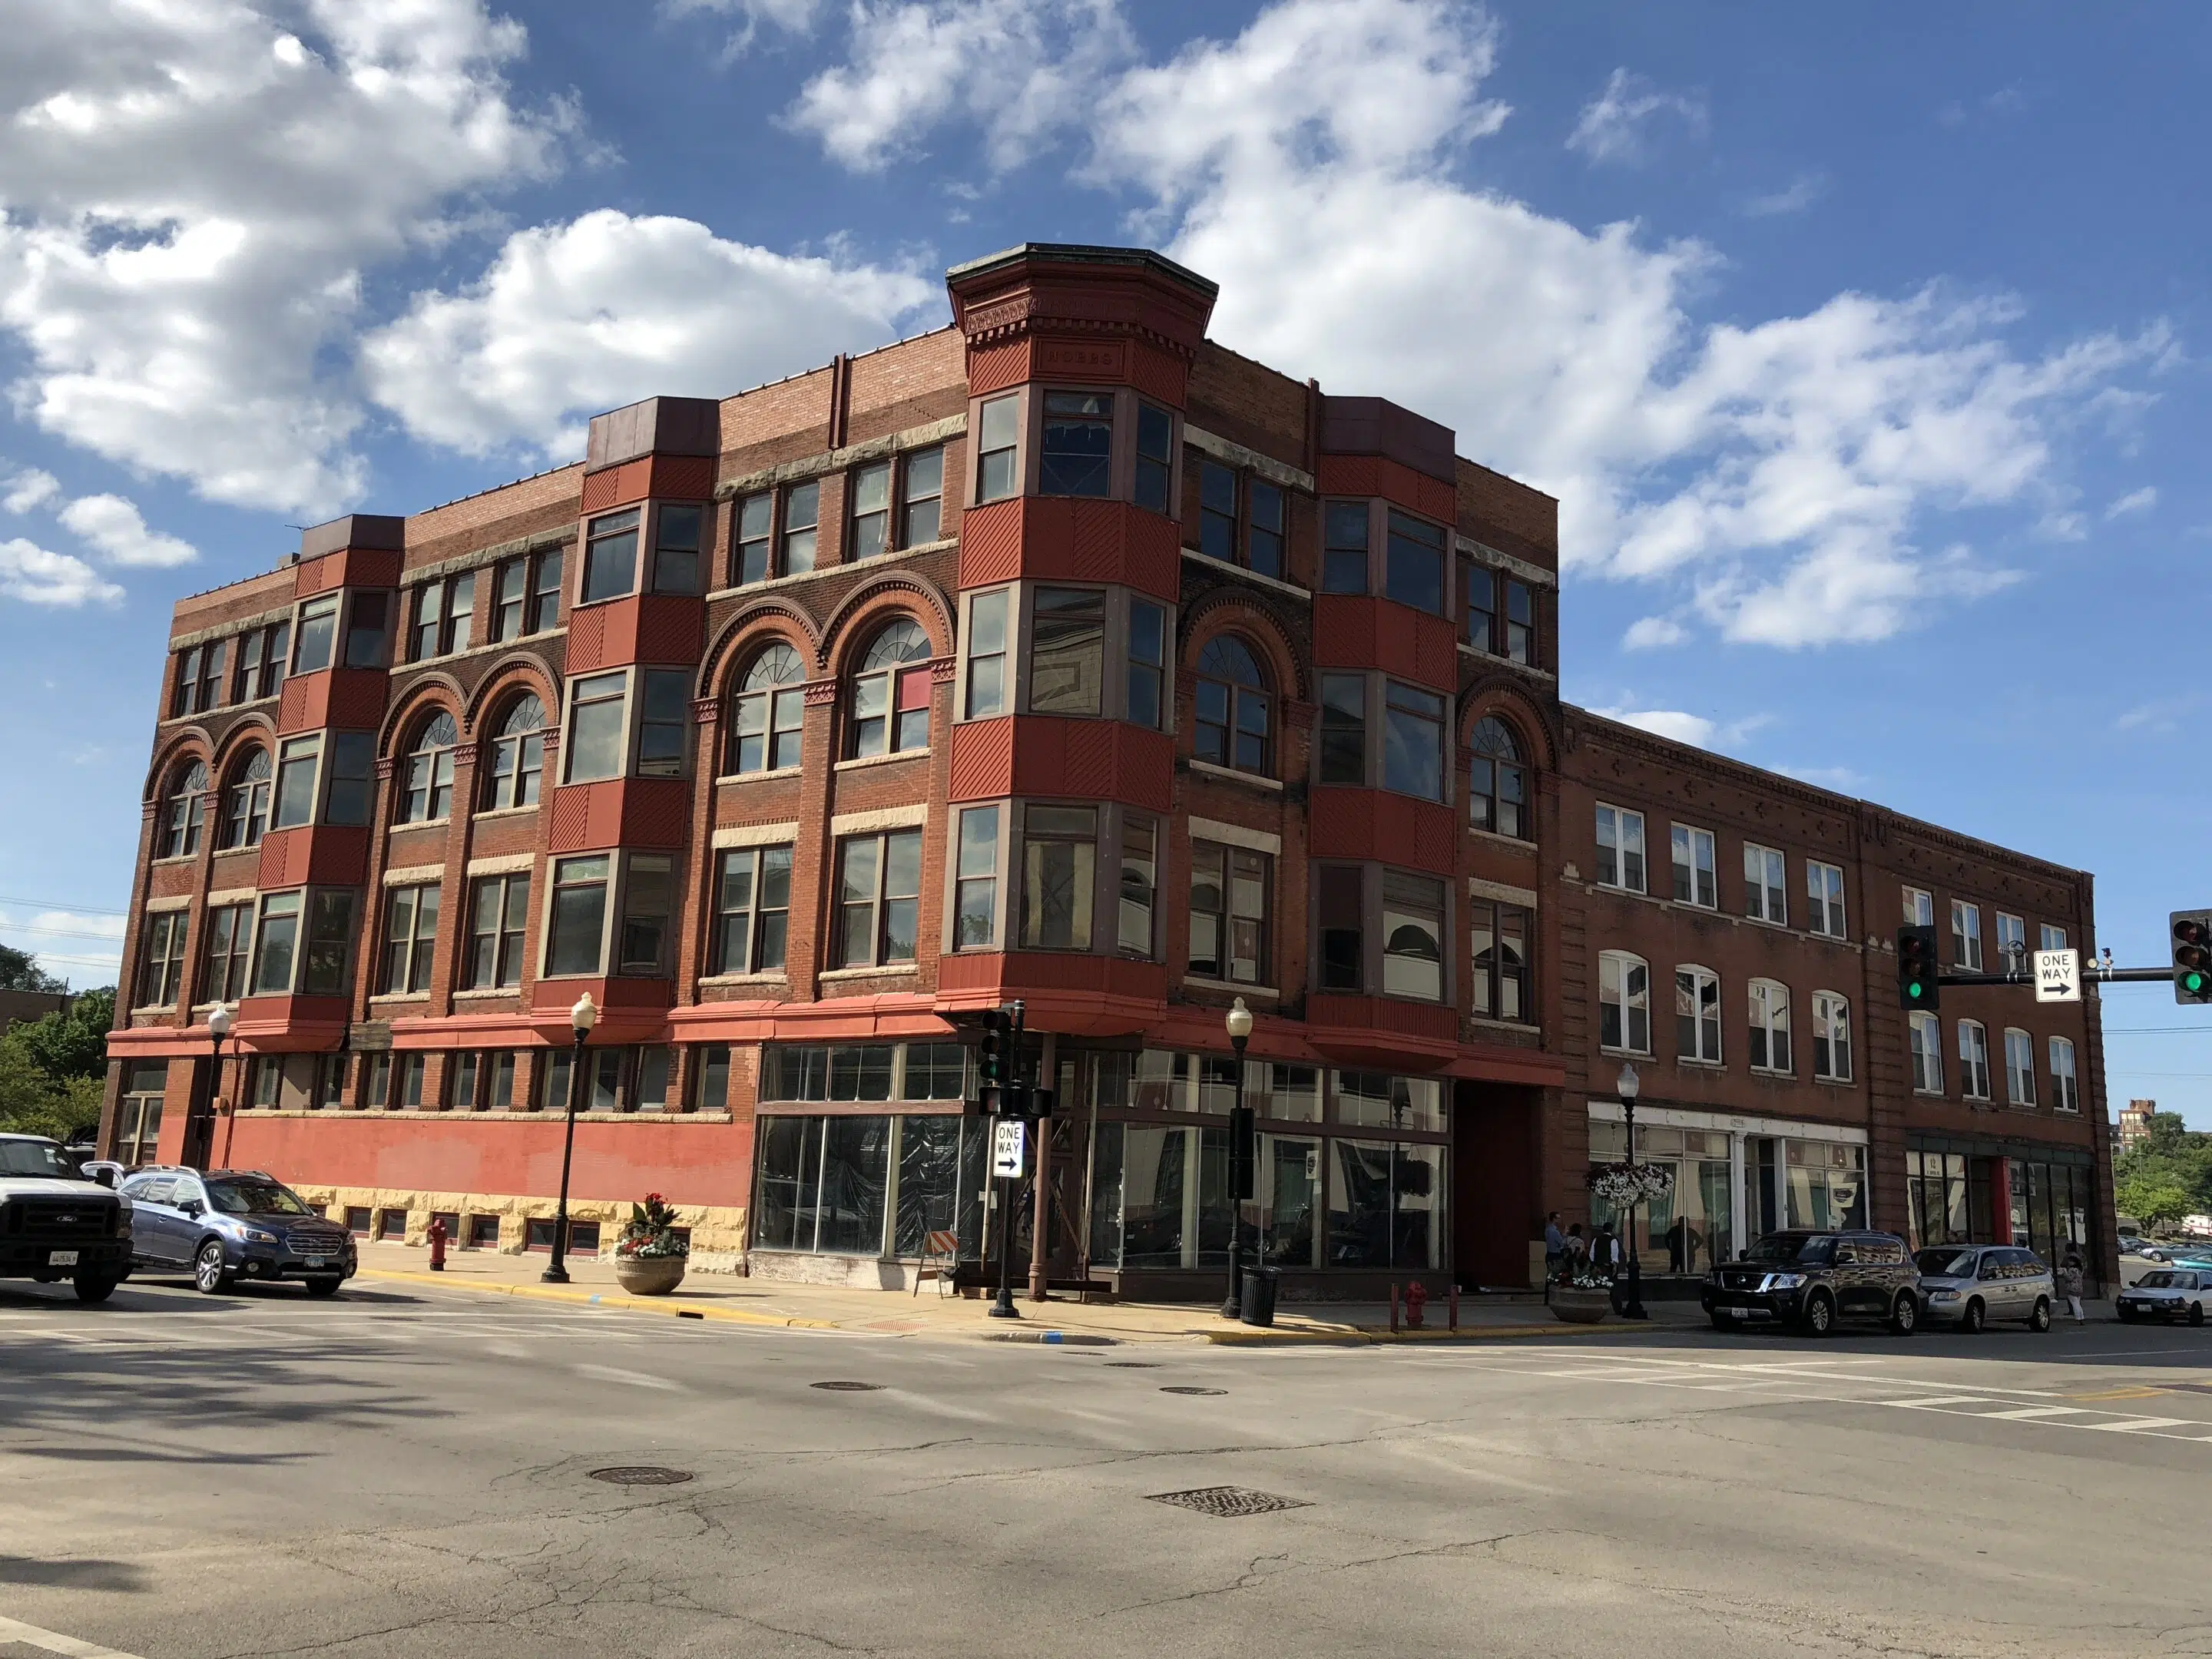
[1495, 1202]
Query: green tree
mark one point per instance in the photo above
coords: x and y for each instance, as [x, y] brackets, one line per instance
[2153, 1198]
[31, 1102]
[20, 971]
[72, 1043]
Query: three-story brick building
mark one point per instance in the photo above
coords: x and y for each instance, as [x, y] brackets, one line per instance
[1059, 654]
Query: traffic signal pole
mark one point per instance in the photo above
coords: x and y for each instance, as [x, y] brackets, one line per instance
[1009, 1105]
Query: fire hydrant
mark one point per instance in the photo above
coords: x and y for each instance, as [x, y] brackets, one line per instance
[437, 1245]
[1417, 1297]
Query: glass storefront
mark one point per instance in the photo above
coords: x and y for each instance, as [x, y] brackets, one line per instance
[1953, 1200]
[1731, 1186]
[866, 1184]
[1826, 1184]
[1336, 1185]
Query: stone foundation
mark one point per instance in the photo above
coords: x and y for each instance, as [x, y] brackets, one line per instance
[718, 1233]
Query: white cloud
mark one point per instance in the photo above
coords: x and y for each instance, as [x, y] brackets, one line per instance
[1020, 69]
[574, 319]
[2135, 501]
[1776, 476]
[113, 525]
[192, 194]
[2161, 716]
[1684, 727]
[1798, 194]
[28, 489]
[790, 17]
[1647, 633]
[36, 577]
[1614, 126]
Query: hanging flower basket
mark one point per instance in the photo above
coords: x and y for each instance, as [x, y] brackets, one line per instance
[1626, 1185]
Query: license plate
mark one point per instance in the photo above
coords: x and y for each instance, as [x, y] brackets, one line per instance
[1735, 1313]
[61, 1258]
[315, 1261]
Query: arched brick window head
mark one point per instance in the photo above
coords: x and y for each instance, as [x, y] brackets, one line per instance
[771, 706]
[1232, 709]
[427, 793]
[891, 700]
[1497, 789]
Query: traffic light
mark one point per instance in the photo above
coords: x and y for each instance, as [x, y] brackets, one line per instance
[1918, 975]
[2192, 955]
[991, 1069]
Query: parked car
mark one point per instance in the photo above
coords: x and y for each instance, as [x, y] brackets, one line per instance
[228, 1224]
[1811, 1279]
[1970, 1284]
[2166, 1293]
[56, 1224]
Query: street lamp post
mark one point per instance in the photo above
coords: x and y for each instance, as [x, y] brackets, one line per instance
[201, 1153]
[581, 1018]
[1239, 1022]
[1628, 1086]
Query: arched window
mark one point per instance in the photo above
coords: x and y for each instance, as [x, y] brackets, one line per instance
[427, 794]
[764, 737]
[1232, 706]
[890, 700]
[1497, 791]
[186, 807]
[1697, 1014]
[1624, 1002]
[518, 755]
[1769, 1026]
[246, 808]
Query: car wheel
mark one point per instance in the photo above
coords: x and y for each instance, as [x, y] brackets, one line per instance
[325, 1287]
[1820, 1315]
[1974, 1318]
[2197, 1313]
[1721, 1321]
[1904, 1314]
[209, 1271]
[93, 1288]
[2040, 1319]
[2127, 1314]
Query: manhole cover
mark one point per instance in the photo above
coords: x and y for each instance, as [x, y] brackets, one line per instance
[641, 1474]
[849, 1388]
[1229, 1502]
[1133, 1365]
[1186, 1389]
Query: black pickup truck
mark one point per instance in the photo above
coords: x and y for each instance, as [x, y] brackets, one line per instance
[57, 1224]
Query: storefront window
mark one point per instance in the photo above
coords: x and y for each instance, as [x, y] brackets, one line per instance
[1289, 1188]
[832, 1185]
[1694, 1225]
[1385, 1205]
[1827, 1185]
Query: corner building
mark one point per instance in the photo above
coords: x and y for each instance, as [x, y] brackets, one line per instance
[1064, 655]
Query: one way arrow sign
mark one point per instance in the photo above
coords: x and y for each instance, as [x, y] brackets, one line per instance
[2058, 976]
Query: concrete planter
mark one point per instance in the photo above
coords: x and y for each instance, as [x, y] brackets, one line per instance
[1580, 1307]
[651, 1275]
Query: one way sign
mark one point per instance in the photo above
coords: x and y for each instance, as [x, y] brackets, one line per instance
[2058, 976]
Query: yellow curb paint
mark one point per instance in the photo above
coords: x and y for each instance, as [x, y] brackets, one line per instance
[593, 1298]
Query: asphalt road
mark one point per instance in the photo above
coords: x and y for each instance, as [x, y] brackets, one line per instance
[407, 1475]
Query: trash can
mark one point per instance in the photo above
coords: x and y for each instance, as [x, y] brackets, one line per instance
[1258, 1307]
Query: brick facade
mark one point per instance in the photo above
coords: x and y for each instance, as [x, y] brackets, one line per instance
[1380, 882]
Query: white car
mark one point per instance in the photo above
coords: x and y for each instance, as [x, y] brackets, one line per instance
[2167, 1293]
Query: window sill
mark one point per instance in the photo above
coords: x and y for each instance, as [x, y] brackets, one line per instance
[176, 857]
[422, 823]
[859, 762]
[769, 584]
[485, 649]
[1772, 1072]
[1229, 987]
[762, 777]
[156, 1008]
[1834, 1082]
[1480, 655]
[1491, 1024]
[1696, 1064]
[1231, 774]
[1519, 843]
[1626, 1053]
[706, 980]
[1615, 887]
[1248, 574]
[1761, 922]
[484, 995]
[387, 997]
[901, 969]
[495, 813]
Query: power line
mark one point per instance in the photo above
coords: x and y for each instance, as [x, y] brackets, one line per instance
[7, 926]
[55, 904]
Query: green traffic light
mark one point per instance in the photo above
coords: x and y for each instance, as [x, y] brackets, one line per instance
[2193, 983]
[1913, 989]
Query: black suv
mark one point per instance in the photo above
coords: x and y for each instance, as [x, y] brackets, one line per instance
[1811, 1279]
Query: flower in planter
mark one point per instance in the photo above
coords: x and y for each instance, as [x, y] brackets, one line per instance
[1623, 1185]
[651, 1233]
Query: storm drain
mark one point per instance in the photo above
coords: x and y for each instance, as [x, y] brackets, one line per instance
[1186, 1389]
[1133, 1365]
[849, 1388]
[1229, 1502]
[641, 1474]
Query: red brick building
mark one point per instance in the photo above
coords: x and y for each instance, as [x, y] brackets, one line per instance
[1059, 654]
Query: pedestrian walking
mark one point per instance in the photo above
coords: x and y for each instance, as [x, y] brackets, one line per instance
[2069, 1286]
[1555, 1249]
[1577, 1252]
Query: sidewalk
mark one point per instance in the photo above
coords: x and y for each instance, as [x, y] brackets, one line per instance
[725, 1297]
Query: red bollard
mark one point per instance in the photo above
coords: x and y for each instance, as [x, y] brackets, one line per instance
[437, 1245]
[1417, 1302]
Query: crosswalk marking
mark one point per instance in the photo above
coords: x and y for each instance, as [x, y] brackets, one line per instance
[2024, 1413]
[1938, 1400]
[14, 1631]
[2138, 1424]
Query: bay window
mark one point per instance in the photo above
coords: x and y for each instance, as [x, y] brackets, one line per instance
[1413, 936]
[1067, 651]
[1140, 871]
[1059, 851]
[611, 557]
[576, 937]
[1344, 547]
[976, 881]
[316, 637]
[986, 655]
[998, 448]
[1145, 695]
[1155, 458]
[1412, 741]
[1343, 757]
[1341, 910]
[1413, 571]
[648, 902]
[678, 528]
[316, 965]
[1075, 454]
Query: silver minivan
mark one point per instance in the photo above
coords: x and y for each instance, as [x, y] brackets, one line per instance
[1970, 1284]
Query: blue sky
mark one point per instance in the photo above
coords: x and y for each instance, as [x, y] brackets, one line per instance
[1866, 355]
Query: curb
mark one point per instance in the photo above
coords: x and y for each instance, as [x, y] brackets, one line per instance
[595, 1298]
[1071, 1339]
[1380, 1336]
